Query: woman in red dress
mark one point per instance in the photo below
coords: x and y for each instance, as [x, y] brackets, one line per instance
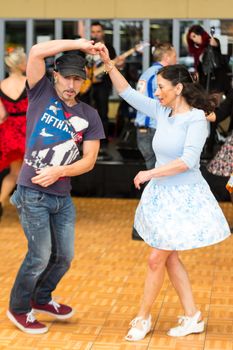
[13, 106]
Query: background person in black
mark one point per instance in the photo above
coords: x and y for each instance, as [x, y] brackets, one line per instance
[101, 87]
[215, 78]
[220, 168]
[199, 42]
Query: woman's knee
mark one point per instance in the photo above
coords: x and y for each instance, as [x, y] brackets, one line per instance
[173, 259]
[157, 259]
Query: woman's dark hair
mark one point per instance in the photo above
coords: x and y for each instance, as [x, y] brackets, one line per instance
[197, 29]
[193, 48]
[193, 93]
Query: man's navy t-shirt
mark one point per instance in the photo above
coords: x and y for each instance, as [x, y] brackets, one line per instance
[54, 133]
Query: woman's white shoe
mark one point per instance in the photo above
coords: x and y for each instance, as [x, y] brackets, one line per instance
[135, 333]
[187, 325]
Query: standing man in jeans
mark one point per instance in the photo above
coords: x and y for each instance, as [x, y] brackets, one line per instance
[164, 54]
[57, 122]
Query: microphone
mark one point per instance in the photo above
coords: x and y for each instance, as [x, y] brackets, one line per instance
[94, 39]
[212, 31]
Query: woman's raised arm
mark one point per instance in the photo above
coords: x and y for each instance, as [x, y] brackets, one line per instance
[144, 104]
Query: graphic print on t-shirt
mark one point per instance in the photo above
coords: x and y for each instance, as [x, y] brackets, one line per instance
[55, 138]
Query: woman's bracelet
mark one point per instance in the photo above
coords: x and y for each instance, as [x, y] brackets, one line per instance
[108, 67]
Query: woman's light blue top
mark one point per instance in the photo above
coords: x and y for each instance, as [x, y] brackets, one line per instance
[180, 136]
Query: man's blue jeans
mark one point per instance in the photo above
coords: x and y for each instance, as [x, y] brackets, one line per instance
[48, 222]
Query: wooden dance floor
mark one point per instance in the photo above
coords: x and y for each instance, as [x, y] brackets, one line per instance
[105, 283]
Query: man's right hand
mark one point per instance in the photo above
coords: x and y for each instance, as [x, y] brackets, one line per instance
[87, 46]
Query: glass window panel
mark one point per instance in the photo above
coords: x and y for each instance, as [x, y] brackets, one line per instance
[226, 27]
[15, 34]
[70, 29]
[131, 33]
[160, 31]
[43, 30]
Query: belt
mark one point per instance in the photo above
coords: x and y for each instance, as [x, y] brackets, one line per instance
[142, 127]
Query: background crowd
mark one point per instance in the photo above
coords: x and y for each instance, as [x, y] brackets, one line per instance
[211, 70]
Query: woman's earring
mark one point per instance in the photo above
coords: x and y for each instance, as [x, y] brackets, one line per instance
[55, 80]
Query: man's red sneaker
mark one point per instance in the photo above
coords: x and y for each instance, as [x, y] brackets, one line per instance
[52, 308]
[27, 322]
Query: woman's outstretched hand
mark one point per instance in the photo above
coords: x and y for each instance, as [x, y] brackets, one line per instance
[118, 80]
[103, 52]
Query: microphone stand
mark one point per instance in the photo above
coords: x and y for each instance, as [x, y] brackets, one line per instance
[211, 126]
[91, 76]
[212, 31]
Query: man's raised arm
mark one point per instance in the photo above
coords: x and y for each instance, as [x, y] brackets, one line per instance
[36, 64]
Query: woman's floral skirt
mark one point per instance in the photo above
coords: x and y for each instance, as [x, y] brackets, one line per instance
[180, 217]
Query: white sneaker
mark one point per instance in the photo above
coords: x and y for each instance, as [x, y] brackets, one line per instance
[187, 325]
[135, 333]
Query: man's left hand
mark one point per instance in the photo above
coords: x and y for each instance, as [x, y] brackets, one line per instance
[47, 176]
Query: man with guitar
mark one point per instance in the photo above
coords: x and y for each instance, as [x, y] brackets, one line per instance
[98, 88]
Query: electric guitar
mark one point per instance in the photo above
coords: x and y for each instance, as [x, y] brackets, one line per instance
[94, 73]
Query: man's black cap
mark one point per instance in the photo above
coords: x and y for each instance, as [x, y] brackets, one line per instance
[71, 64]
